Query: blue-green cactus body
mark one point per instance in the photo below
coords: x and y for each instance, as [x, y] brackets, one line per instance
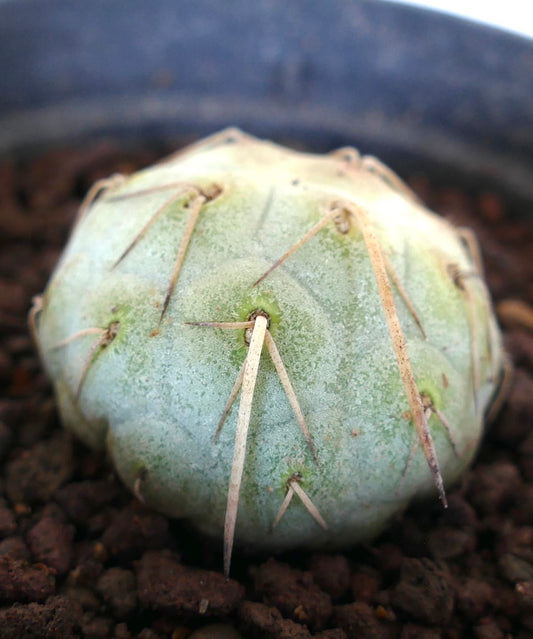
[153, 393]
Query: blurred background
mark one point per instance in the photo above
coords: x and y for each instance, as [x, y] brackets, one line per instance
[513, 15]
[408, 84]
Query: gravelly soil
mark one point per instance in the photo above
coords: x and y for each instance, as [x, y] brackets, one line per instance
[79, 557]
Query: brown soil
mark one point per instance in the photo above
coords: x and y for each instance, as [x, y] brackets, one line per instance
[79, 557]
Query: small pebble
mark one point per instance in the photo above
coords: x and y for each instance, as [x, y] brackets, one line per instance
[515, 569]
[425, 591]
[359, 620]
[331, 573]
[259, 620]
[165, 584]
[8, 523]
[20, 581]
[50, 542]
[216, 631]
[294, 592]
[118, 589]
[15, 548]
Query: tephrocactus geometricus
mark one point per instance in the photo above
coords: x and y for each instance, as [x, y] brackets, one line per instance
[351, 326]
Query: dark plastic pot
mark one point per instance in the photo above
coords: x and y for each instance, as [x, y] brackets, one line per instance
[415, 87]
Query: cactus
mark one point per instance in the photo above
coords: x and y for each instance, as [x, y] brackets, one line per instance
[283, 348]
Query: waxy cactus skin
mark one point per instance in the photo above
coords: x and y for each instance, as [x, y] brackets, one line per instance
[381, 320]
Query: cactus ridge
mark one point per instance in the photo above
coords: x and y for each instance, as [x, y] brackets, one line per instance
[382, 271]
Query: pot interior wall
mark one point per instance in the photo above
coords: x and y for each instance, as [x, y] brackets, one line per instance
[416, 88]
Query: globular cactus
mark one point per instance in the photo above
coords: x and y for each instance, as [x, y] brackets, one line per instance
[351, 326]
